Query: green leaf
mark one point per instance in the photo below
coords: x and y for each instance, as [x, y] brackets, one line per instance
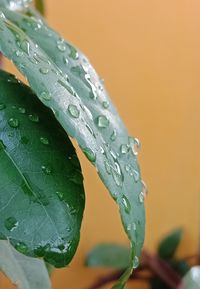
[41, 185]
[167, 247]
[39, 4]
[108, 255]
[23, 271]
[192, 279]
[64, 80]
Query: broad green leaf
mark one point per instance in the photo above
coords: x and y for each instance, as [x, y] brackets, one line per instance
[108, 255]
[39, 4]
[41, 185]
[167, 247]
[64, 80]
[192, 279]
[25, 272]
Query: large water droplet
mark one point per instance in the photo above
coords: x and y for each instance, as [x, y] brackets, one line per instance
[11, 223]
[25, 46]
[47, 170]
[2, 106]
[113, 135]
[102, 121]
[45, 95]
[34, 117]
[117, 178]
[90, 154]
[73, 110]
[135, 145]
[21, 247]
[126, 204]
[135, 262]
[44, 70]
[13, 122]
[44, 140]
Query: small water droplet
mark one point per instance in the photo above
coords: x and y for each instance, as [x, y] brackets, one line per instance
[136, 175]
[73, 53]
[34, 117]
[105, 104]
[141, 197]
[73, 110]
[21, 247]
[44, 70]
[117, 178]
[144, 188]
[2, 106]
[61, 45]
[102, 121]
[113, 135]
[47, 170]
[13, 122]
[131, 227]
[60, 195]
[25, 46]
[22, 110]
[19, 53]
[44, 140]
[11, 223]
[135, 262]
[45, 95]
[124, 148]
[90, 154]
[126, 204]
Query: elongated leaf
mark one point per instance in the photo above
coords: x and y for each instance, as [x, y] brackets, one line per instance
[167, 247]
[25, 272]
[64, 80]
[192, 279]
[108, 255]
[41, 189]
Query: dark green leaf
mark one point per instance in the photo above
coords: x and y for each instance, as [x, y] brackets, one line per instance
[167, 247]
[23, 271]
[41, 189]
[109, 255]
[65, 81]
[180, 266]
[156, 283]
[192, 279]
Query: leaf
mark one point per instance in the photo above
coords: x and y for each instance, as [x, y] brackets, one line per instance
[15, 4]
[192, 279]
[108, 255]
[64, 80]
[180, 266]
[24, 272]
[41, 185]
[167, 247]
[39, 4]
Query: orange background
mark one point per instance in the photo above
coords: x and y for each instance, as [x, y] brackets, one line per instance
[148, 52]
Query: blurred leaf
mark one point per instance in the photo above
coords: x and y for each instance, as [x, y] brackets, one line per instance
[65, 81]
[192, 279]
[39, 4]
[109, 255]
[121, 284]
[41, 185]
[25, 272]
[180, 266]
[167, 247]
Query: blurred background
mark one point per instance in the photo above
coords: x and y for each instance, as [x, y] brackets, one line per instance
[148, 53]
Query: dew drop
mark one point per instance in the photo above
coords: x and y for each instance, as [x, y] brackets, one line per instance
[60, 195]
[61, 45]
[11, 223]
[102, 121]
[19, 53]
[113, 135]
[124, 148]
[34, 117]
[135, 145]
[45, 95]
[73, 110]
[90, 154]
[135, 262]
[2, 106]
[22, 110]
[105, 104]
[25, 46]
[73, 53]
[47, 170]
[126, 204]
[131, 227]
[13, 122]
[44, 140]
[21, 247]
[141, 197]
[44, 70]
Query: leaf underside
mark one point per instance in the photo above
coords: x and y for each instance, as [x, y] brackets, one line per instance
[41, 185]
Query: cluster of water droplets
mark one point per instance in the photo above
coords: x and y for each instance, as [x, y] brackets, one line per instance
[15, 4]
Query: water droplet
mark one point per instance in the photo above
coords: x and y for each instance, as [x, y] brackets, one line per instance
[135, 262]
[73, 110]
[113, 135]
[144, 188]
[131, 227]
[44, 140]
[135, 145]
[2, 106]
[13, 122]
[60, 195]
[47, 170]
[45, 95]
[124, 148]
[22, 110]
[34, 117]
[73, 53]
[102, 121]
[44, 70]
[105, 104]
[117, 177]
[11, 223]
[21, 247]
[126, 204]
[141, 197]
[136, 175]
[61, 45]
[19, 53]
[90, 154]
[66, 61]
[25, 46]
